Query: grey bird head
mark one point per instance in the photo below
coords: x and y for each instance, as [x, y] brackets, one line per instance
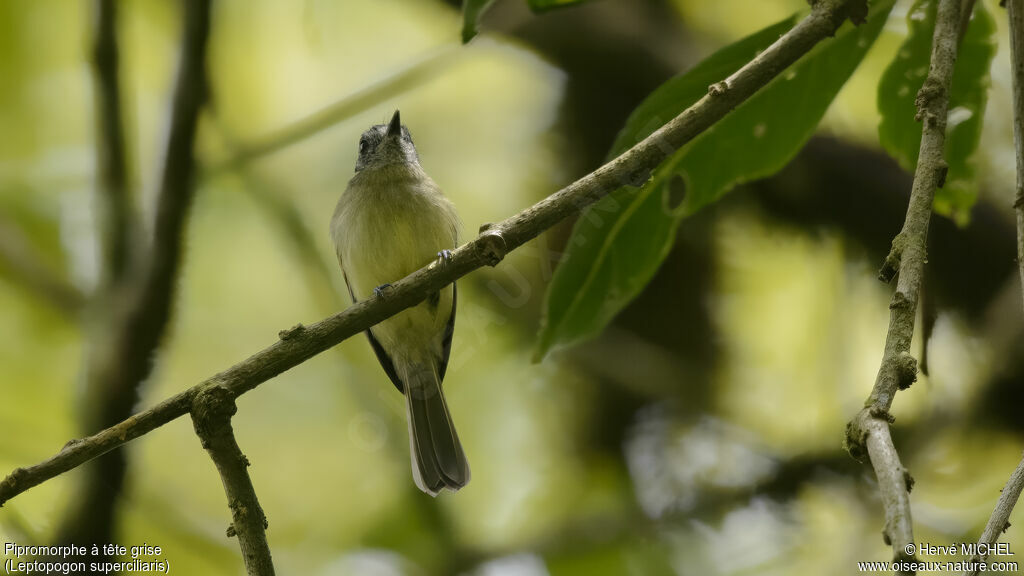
[386, 144]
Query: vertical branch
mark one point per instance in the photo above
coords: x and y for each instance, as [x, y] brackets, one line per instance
[1000, 519]
[112, 197]
[1015, 14]
[212, 410]
[112, 181]
[177, 175]
[122, 347]
[869, 430]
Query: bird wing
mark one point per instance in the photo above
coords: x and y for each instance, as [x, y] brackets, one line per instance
[446, 343]
[382, 355]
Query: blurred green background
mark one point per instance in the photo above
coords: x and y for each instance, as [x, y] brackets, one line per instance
[700, 434]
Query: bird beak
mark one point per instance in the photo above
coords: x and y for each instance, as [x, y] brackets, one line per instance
[395, 127]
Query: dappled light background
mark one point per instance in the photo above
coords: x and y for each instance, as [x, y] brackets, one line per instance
[701, 433]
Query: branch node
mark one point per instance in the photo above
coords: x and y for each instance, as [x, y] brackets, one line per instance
[908, 480]
[11, 482]
[637, 178]
[212, 408]
[856, 438]
[857, 11]
[291, 332]
[930, 90]
[906, 369]
[854, 10]
[231, 533]
[941, 171]
[492, 247]
[485, 227]
[900, 301]
[718, 88]
[71, 444]
[892, 261]
[853, 442]
[838, 11]
[881, 413]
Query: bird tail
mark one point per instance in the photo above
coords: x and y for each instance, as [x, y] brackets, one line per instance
[437, 458]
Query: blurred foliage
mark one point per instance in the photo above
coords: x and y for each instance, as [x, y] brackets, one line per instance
[900, 133]
[618, 244]
[541, 5]
[471, 12]
[651, 458]
[840, 307]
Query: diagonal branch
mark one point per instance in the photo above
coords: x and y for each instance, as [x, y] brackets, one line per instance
[25, 265]
[1000, 519]
[211, 417]
[869, 430]
[286, 215]
[303, 342]
[413, 75]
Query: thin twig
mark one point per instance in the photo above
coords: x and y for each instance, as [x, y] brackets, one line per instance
[300, 343]
[1000, 519]
[279, 207]
[966, 10]
[26, 266]
[869, 430]
[415, 74]
[212, 410]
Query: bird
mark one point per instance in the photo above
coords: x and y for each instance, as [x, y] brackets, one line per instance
[392, 220]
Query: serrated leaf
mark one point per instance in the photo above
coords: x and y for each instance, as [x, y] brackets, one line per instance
[900, 134]
[542, 5]
[618, 243]
[472, 10]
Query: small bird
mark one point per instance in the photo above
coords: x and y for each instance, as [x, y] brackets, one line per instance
[391, 221]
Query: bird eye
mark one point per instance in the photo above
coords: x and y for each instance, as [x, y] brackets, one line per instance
[363, 145]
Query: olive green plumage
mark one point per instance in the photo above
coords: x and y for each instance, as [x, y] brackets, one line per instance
[391, 221]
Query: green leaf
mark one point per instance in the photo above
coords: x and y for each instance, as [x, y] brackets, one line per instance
[618, 243]
[471, 12]
[900, 133]
[542, 5]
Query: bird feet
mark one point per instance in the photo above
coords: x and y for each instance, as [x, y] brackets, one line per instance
[382, 290]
